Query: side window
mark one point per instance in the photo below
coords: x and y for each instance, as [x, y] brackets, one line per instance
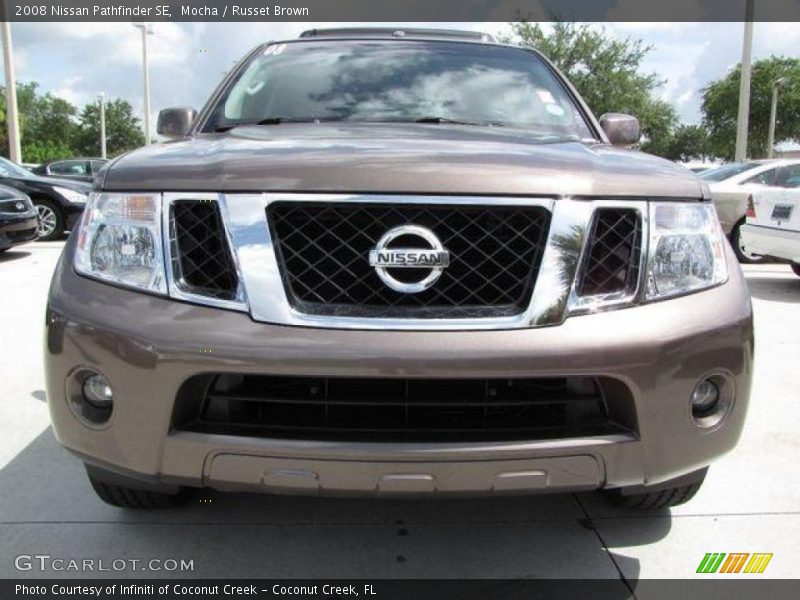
[763, 178]
[97, 165]
[69, 167]
[789, 176]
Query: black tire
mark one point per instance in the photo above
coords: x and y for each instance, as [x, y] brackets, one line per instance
[665, 495]
[54, 229]
[736, 242]
[128, 497]
[796, 268]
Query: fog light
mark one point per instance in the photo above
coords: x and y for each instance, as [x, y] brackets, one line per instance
[705, 398]
[97, 392]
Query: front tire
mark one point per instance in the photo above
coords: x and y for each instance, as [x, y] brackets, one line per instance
[116, 491]
[744, 257]
[51, 220]
[665, 495]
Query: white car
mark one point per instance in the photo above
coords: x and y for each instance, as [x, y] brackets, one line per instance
[733, 183]
[773, 225]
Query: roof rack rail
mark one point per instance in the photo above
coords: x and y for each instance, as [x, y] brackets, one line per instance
[448, 34]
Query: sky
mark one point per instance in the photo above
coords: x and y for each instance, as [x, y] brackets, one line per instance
[77, 61]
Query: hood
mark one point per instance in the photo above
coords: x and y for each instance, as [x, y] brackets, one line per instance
[397, 158]
[10, 193]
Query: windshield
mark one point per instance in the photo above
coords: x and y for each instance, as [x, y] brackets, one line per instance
[728, 171]
[10, 169]
[380, 81]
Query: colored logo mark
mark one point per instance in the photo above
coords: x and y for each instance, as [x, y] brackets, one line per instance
[734, 562]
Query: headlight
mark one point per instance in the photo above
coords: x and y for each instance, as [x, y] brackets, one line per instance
[686, 251]
[71, 195]
[120, 240]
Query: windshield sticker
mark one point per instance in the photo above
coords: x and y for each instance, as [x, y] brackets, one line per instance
[274, 49]
[545, 96]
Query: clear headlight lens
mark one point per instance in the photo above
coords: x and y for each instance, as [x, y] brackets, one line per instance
[71, 195]
[120, 241]
[686, 251]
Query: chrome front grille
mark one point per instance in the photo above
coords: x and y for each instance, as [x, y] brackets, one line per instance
[306, 259]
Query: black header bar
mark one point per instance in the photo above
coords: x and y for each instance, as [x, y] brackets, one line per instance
[399, 10]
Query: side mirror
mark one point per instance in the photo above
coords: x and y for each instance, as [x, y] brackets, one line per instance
[175, 123]
[621, 129]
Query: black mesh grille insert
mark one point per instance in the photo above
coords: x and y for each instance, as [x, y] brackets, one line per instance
[388, 410]
[613, 253]
[201, 258]
[323, 251]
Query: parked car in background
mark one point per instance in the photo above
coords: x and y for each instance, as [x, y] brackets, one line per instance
[82, 169]
[19, 222]
[773, 225]
[59, 202]
[733, 183]
[697, 166]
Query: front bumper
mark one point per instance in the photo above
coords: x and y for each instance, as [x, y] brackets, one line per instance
[18, 229]
[771, 241]
[149, 346]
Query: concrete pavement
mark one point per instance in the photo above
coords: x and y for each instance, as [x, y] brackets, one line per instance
[749, 503]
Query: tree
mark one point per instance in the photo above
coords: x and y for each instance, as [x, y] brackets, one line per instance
[123, 131]
[50, 127]
[47, 125]
[688, 142]
[606, 72]
[721, 102]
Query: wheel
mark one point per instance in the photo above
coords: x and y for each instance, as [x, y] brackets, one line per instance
[51, 220]
[742, 254]
[796, 268]
[124, 496]
[669, 493]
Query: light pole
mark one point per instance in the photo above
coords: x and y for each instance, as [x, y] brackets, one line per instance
[773, 115]
[102, 98]
[15, 151]
[147, 29]
[744, 85]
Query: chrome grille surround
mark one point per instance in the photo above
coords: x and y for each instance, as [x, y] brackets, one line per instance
[262, 293]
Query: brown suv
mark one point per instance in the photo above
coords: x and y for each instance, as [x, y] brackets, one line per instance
[386, 263]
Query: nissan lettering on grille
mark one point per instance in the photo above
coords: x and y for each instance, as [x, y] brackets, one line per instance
[434, 258]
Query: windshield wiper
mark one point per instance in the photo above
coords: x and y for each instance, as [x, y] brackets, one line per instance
[281, 120]
[447, 121]
[276, 121]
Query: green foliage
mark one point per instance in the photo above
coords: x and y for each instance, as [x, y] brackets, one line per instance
[51, 128]
[606, 73]
[721, 103]
[41, 151]
[123, 131]
[688, 142]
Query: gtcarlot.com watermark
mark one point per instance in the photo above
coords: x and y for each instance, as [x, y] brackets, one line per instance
[46, 562]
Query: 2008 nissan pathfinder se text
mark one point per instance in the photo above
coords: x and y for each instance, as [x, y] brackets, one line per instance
[397, 262]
